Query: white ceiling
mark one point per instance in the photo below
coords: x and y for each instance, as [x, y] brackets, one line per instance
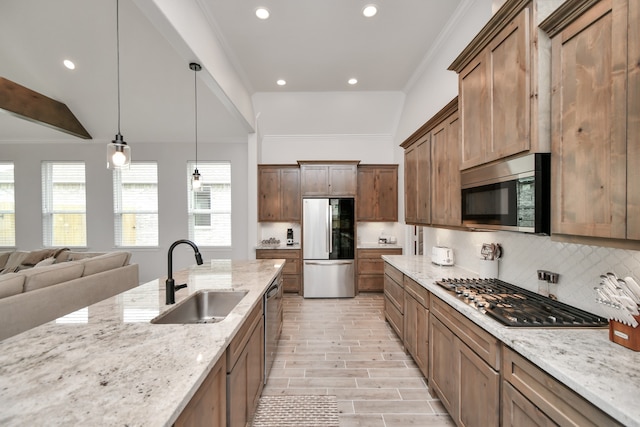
[314, 45]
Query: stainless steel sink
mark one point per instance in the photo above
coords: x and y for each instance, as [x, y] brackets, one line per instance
[205, 306]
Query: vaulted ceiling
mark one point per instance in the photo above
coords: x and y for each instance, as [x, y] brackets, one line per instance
[316, 46]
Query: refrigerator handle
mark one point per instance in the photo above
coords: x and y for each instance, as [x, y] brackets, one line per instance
[330, 229]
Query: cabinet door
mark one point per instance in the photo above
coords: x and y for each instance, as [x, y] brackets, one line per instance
[633, 123]
[342, 180]
[367, 200]
[208, 406]
[315, 180]
[387, 191]
[474, 112]
[443, 373]
[509, 68]
[290, 199]
[589, 124]
[478, 390]
[410, 324]
[268, 194]
[416, 332]
[424, 181]
[445, 171]
[517, 411]
[411, 185]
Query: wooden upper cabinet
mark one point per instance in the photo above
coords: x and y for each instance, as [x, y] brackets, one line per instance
[279, 193]
[417, 178]
[595, 110]
[445, 169]
[377, 198]
[503, 83]
[329, 178]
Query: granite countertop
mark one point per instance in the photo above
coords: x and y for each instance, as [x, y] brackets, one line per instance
[604, 373]
[375, 245]
[280, 246]
[108, 365]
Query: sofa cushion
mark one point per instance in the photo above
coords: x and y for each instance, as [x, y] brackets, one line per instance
[104, 262]
[42, 277]
[11, 284]
[14, 261]
[4, 256]
[45, 262]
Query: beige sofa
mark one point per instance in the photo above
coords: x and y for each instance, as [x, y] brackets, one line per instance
[39, 286]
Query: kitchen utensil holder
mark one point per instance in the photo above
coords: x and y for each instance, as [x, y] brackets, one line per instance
[488, 269]
[625, 335]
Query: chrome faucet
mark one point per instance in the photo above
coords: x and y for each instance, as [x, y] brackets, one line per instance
[170, 284]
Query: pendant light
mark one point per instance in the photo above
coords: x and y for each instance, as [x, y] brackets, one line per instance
[195, 179]
[118, 152]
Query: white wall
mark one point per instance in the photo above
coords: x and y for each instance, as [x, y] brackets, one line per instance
[172, 200]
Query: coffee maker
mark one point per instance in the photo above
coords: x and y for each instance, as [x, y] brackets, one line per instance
[289, 236]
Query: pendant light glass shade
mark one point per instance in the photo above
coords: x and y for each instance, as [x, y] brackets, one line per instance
[196, 184]
[118, 152]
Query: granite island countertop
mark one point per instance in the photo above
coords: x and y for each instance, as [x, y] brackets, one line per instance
[107, 365]
[604, 373]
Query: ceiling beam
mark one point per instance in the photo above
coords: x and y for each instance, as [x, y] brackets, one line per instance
[33, 106]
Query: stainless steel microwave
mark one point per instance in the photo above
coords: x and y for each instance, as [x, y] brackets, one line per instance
[513, 195]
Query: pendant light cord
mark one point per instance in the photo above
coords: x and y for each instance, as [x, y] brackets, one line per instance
[195, 90]
[118, 56]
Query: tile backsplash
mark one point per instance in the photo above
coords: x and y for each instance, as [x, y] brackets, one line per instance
[579, 266]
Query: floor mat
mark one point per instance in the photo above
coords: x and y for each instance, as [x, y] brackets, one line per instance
[299, 411]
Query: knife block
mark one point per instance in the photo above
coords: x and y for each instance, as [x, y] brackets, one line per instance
[625, 335]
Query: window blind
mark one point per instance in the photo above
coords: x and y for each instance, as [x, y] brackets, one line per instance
[7, 205]
[210, 207]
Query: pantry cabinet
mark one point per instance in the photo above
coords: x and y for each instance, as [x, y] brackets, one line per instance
[464, 363]
[329, 178]
[596, 118]
[279, 193]
[377, 193]
[245, 370]
[503, 82]
[209, 405]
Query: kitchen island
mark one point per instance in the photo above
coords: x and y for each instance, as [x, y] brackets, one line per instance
[584, 360]
[107, 365]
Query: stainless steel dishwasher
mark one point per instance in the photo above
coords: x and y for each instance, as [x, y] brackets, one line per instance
[272, 323]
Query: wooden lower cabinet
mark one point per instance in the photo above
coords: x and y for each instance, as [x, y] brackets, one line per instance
[531, 397]
[463, 367]
[245, 370]
[394, 299]
[292, 271]
[370, 271]
[208, 407]
[416, 323]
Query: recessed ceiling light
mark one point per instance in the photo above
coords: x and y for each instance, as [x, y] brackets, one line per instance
[370, 10]
[262, 13]
[281, 82]
[69, 64]
[352, 81]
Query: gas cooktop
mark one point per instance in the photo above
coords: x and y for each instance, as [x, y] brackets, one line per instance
[514, 306]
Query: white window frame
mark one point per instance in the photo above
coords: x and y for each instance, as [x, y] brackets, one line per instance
[207, 182]
[119, 211]
[48, 211]
[8, 207]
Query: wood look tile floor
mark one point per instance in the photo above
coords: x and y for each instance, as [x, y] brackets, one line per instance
[344, 347]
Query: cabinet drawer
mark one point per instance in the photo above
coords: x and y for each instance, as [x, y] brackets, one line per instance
[480, 341]
[278, 253]
[394, 317]
[394, 292]
[416, 291]
[370, 283]
[242, 337]
[393, 273]
[291, 282]
[557, 401]
[370, 266]
[292, 266]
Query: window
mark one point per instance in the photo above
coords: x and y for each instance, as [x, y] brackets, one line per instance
[7, 206]
[64, 204]
[135, 203]
[210, 208]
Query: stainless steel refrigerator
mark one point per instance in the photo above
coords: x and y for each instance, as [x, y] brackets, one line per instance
[328, 247]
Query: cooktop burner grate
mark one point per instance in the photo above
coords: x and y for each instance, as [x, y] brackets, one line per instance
[514, 306]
